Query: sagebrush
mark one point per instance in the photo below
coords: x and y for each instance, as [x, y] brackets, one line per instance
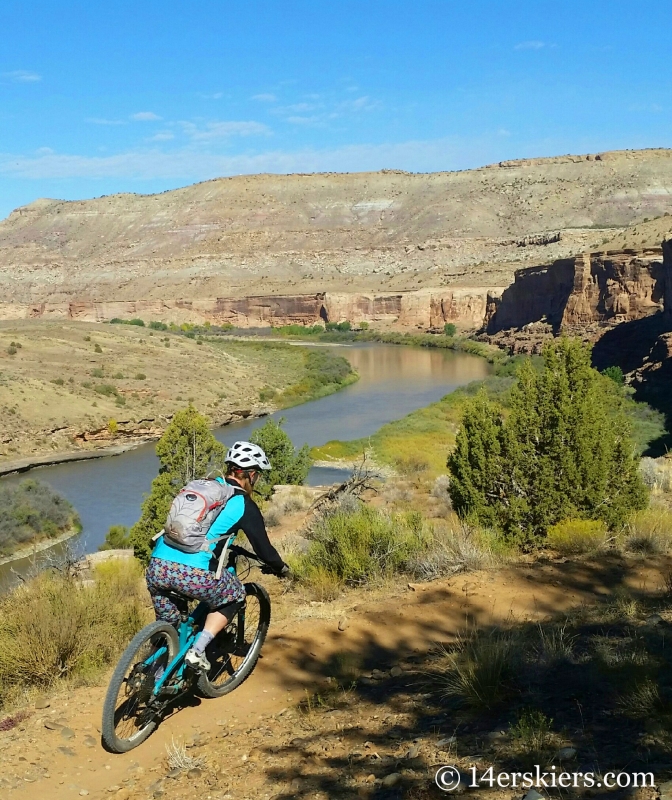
[58, 628]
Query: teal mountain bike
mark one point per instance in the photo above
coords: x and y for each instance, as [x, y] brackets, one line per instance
[152, 675]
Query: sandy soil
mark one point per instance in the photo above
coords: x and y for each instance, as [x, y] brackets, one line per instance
[261, 741]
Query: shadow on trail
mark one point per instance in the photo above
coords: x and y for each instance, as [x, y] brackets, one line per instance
[601, 676]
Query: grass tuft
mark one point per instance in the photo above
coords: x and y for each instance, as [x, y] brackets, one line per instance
[649, 531]
[478, 671]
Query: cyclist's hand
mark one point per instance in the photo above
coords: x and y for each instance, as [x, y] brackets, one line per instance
[286, 572]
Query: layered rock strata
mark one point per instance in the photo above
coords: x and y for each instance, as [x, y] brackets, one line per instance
[424, 309]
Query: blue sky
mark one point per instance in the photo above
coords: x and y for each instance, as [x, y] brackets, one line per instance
[145, 96]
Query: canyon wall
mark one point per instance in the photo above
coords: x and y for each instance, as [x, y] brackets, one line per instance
[423, 309]
[576, 293]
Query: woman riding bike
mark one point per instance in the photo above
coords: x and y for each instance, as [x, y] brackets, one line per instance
[194, 574]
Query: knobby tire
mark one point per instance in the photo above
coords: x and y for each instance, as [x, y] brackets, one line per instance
[129, 658]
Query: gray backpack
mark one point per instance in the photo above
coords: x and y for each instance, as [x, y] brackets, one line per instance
[192, 513]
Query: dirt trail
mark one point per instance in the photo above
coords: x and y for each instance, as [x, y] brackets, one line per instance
[68, 761]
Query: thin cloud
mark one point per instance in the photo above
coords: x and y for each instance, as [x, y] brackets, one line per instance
[300, 107]
[22, 76]
[297, 120]
[162, 136]
[145, 116]
[265, 98]
[535, 44]
[224, 130]
[103, 121]
[213, 96]
[194, 165]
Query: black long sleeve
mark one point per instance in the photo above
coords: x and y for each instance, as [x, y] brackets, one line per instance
[253, 526]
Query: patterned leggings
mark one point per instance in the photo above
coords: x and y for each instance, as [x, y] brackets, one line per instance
[201, 584]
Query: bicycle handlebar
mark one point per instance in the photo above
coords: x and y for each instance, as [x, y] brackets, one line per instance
[237, 550]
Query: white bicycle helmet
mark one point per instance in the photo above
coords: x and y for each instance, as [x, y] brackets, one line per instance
[247, 456]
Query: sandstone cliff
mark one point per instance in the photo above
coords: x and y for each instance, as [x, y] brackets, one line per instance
[580, 292]
[424, 309]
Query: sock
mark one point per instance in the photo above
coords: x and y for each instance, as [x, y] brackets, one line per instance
[202, 641]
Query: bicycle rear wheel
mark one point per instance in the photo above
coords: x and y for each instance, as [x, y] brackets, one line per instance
[128, 719]
[234, 652]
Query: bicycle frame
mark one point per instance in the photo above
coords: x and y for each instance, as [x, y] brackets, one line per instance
[188, 630]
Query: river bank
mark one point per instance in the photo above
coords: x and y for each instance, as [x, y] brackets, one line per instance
[439, 341]
[393, 382]
[39, 547]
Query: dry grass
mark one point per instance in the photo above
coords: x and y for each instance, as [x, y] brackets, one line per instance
[555, 644]
[454, 546]
[649, 531]
[643, 701]
[56, 629]
[285, 503]
[478, 670]
[178, 758]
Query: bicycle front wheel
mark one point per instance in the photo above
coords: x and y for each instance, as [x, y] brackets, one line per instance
[234, 653]
[128, 718]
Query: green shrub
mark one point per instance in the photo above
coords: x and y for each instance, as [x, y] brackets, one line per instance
[116, 321]
[267, 393]
[533, 734]
[113, 426]
[364, 326]
[573, 536]
[97, 372]
[449, 329]
[299, 330]
[11, 350]
[186, 450]
[356, 547]
[118, 376]
[97, 348]
[564, 451]
[139, 376]
[615, 374]
[117, 538]
[30, 511]
[341, 327]
[158, 326]
[140, 323]
[106, 389]
[58, 381]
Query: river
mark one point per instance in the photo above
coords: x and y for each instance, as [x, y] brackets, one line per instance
[393, 382]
